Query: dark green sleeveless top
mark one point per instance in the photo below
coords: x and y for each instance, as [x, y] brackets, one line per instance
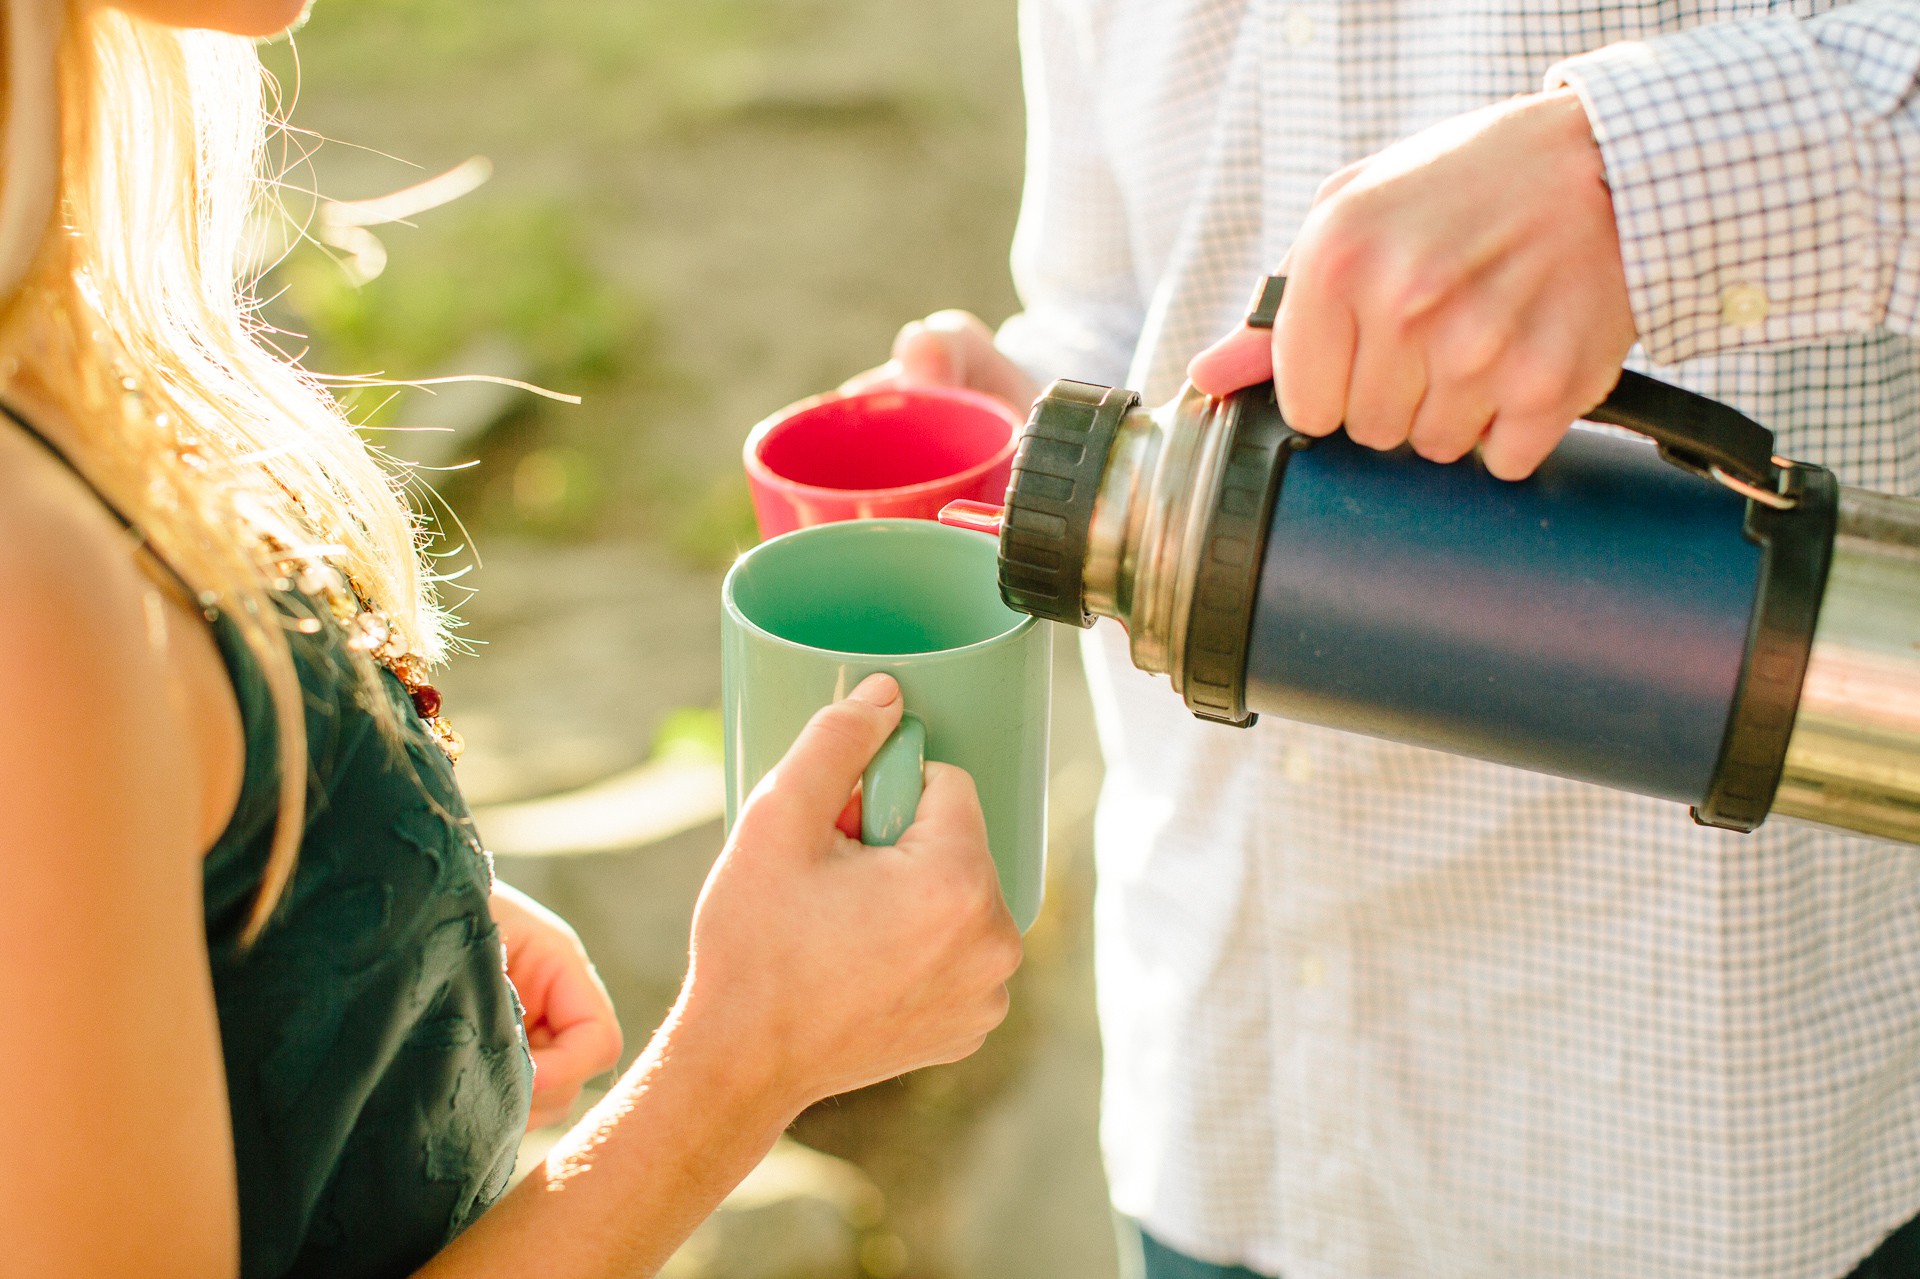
[376, 1065]
[377, 1069]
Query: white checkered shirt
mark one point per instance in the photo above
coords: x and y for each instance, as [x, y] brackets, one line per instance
[1374, 1011]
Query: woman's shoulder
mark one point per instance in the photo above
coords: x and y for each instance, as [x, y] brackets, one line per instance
[101, 923]
[69, 577]
[90, 688]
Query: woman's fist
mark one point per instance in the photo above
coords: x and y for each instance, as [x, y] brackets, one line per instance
[840, 964]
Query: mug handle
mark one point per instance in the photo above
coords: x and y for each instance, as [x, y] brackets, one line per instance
[890, 788]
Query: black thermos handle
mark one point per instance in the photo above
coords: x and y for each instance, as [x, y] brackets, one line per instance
[1693, 432]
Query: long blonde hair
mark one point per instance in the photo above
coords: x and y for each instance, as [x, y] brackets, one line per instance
[136, 320]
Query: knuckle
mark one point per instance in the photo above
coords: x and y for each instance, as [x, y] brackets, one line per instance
[1542, 416]
[1008, 953]
[1445, 434]
[1591, 387]
[1501, 466]
[1330, 186]
[984, 905]
[844, 725]
[1299, 407]
[963, 783]
[967, 1047]
[995, 1008]
[1332, 241]
[1343, 248]
[1535, 383]
[963, 886]
[1317, 422]
[843, 717]
[1466, 350]
[951, 777]
[764, 815]
[1405, 296]
[1445, 450]
[954, 320]
[1522, 408]
[1515, 449]
[987, 885]
[1374, 429]
[1343, 187]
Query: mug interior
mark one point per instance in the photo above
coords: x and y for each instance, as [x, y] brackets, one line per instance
[885, 440]
[877, 587]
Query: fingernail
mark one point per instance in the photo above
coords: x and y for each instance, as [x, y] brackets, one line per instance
[876, 690]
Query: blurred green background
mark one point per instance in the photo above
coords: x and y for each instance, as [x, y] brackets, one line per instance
[696, 213]
[688, 215]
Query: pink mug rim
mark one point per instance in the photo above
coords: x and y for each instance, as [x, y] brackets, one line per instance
[760, 471]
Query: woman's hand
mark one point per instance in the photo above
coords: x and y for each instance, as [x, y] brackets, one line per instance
[1461, 287]
[829, 965]
[571, 1026]
[950, 348]
[818, 965]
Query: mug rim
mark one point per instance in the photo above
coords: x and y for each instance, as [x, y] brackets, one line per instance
[925, 528]
[766, 426]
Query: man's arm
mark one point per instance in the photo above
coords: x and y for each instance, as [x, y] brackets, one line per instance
[1072, 266]
[1765, 176]
[1735, 185]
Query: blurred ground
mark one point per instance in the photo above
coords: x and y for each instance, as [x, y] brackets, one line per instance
[696, 213]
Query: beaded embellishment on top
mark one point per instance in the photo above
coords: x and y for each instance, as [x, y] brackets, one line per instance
[367, 631]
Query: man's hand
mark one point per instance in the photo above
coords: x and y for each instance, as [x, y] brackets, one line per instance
[571, 1026]
[950, 348]
[1461, 287]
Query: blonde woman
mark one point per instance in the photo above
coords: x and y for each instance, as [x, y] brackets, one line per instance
[253, 955]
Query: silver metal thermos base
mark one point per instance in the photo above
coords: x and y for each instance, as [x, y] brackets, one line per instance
[1853, 761]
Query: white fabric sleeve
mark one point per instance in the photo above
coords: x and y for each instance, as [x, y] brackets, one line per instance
[1072, 267]
[1765, 176]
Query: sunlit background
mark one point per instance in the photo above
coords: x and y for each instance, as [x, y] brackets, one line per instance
[687, 214]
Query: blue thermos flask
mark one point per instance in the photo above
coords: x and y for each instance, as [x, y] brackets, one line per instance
[1682, 615]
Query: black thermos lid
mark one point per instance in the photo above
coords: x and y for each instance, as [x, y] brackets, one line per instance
[1057, 471]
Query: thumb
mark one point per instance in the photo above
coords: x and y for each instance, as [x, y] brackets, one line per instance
[805, 791]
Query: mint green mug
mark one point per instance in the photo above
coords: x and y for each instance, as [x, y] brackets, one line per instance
[810, 614]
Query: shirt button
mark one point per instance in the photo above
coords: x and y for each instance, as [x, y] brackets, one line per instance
[1299, 27]
[1313, 970]
[1743, 304]
[1297, 765]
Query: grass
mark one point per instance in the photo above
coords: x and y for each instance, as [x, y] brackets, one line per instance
[516, 272]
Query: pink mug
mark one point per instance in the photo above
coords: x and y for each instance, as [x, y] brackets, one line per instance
[878, 454]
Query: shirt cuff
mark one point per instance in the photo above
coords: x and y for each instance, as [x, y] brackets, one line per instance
[1743, 218]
